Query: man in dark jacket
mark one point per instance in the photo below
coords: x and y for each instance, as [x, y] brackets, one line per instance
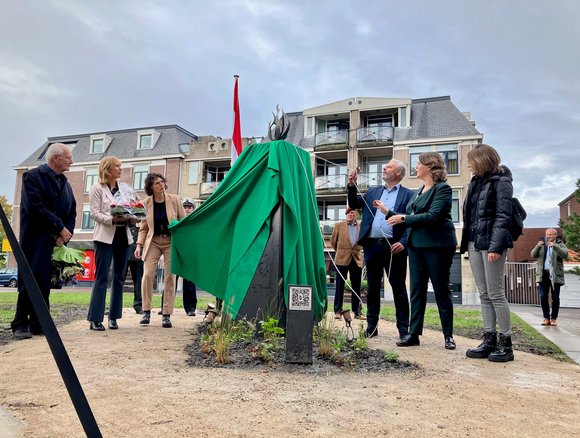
[47, 218]
[383, 244]
[135, 265]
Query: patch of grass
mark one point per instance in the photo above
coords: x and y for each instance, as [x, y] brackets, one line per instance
[70, 297]
[468, 323]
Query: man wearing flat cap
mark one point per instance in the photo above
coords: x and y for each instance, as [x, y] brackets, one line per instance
[348, 259]
[189, 289]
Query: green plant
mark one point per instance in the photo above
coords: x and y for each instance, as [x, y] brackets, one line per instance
[361, 342]
[221, 345]
[391, 356]
[270, 330]
[575, 270]
[323, 334]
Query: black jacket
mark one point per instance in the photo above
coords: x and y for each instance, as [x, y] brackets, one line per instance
[487, 212]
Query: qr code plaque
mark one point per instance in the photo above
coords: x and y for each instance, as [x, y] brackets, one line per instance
[300, 297]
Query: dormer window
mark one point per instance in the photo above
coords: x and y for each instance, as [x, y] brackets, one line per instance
[147, 138]
[100, 143]
[97, 146]
[145, 141]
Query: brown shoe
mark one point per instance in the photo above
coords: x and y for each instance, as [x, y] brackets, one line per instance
[553, 322]
[546, 322]
[360, 316]
[337, 315]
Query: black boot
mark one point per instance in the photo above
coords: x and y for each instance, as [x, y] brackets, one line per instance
[503, 351]
[146, 317]
[485, 348]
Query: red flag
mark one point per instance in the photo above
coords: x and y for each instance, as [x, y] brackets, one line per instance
[237, 135]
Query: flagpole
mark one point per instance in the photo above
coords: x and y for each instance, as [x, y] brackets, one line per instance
[237, 132]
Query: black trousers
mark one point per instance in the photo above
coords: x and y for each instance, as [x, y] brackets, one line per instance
[355, 272]
[136, 268]
[39, 255]
[189, 296]
[545, 288]
[378, 260]
[434, 264]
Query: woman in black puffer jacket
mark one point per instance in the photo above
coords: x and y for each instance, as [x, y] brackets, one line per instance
[487, 217]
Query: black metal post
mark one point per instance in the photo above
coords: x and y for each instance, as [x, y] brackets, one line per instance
[59, 353]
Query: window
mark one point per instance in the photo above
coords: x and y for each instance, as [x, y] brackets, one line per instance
[88, 223]
[140, 171]
[91, 178]
[97, 146]
[450, 156]
[145, 141]
[449, 153]
[215, 173]
[147, 138]
[309, 126]
[455, 205]
[414, 158]
[99, 143]
[192, 172]
[568, 209]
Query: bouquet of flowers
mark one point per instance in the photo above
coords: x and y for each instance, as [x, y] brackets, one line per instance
[66, 264]
[127, 204]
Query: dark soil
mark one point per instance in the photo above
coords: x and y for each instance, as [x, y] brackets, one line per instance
[365, 361]
[62, 314]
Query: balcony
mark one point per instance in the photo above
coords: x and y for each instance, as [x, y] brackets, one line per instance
[367, 180]
[330, 182]
[207, 188]
[375, 135]
[327, 226]
[331, 138]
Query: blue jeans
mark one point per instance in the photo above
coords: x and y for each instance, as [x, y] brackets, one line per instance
[545, 287]
[104, 254]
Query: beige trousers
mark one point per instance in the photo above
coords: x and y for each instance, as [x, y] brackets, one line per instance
[159, 245]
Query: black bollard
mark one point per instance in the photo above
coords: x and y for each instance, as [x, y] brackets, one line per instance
[299, 325]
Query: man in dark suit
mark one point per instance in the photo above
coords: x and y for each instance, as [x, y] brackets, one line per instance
[135, 265]
[384, 245]
[47, 218]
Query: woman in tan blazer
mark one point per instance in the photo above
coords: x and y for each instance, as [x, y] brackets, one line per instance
[155, 240]
[111, 239]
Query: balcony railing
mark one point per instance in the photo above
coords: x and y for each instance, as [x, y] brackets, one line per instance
[207, 188]
[327, 226]
[383, 134]
[331, 137]
[366, 180]
[330, 182]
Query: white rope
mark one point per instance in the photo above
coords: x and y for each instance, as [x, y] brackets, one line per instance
[326, 248]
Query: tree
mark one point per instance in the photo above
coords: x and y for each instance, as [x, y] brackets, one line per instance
[572, 226]
[8, 210]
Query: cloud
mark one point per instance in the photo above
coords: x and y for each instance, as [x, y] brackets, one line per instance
[27, 87]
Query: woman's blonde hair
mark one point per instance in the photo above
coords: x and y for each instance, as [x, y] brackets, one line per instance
[435, 164]
[483, 158]
[105, 166]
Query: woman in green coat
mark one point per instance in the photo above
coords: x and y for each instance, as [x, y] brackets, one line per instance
[431, 245]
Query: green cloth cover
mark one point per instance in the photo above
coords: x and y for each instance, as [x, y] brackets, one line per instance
[219, 245]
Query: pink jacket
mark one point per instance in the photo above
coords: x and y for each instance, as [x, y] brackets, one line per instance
[100, 199]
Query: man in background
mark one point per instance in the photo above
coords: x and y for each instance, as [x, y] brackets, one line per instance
[550, 251]
[348, 259]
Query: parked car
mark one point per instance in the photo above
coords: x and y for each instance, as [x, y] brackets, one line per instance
[9, 277]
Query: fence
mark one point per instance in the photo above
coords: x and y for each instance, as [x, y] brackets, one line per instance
[520, 283]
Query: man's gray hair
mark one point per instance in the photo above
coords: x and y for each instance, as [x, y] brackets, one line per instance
[54, 150]
[400, 167]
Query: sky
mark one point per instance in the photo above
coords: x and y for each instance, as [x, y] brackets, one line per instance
[75, 66]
